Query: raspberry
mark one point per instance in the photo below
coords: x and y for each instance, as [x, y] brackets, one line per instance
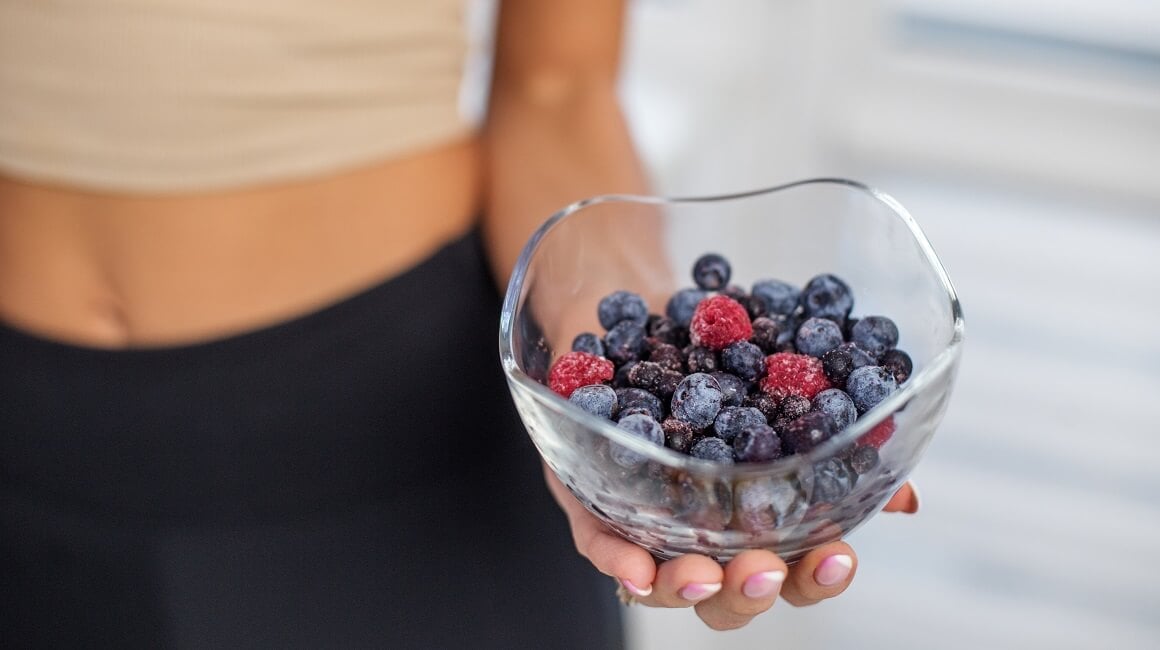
[719, 321]
[576, 369]
[878, 436]
[787, 373]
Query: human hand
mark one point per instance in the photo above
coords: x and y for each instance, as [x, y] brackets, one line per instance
[724, 597]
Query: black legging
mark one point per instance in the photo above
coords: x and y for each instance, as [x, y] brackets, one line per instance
[353, 478]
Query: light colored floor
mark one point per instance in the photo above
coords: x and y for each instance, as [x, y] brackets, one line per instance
[1041, 511]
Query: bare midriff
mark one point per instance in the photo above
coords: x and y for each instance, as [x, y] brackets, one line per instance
[121, 270]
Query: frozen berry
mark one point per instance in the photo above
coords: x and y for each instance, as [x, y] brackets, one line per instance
[641, 426]
[731, 420]
[620, 306]
[838, 364]
[793, 374]
[701, 359]
[774, 297]
[762, 402]
[682, 304]
[837, 404]
[646, 375]
[757, 444]
[588, 342]
[899, 364]
[636, 410]
[734, 388]
[665, 354]
[765, 333]
[878, 436]
[597, 399]
[869, 385]
[624, 342]
[807, 432]
[744, 359]
[719, 321]
[827, 296]
[875, 335]
[697, 400]
[666, 330]
[620, 379]
[576, 369]
[763, 504]
[864, 459]
[817, 336]
[737, 293]
[628, 398]
[858, 356]
[711, 272]
[831, 481]
[712, 448]
[679, 435]
[793, 407]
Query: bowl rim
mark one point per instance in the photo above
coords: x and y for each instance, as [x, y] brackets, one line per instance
[943, 362]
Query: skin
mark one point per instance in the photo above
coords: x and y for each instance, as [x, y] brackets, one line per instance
[116, 270]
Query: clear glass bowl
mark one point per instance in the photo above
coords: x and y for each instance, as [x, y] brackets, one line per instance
[673, 503]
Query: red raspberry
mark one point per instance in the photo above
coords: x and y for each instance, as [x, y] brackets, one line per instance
[576, 369]
[787, 374]
[719, 321]
[878, 436]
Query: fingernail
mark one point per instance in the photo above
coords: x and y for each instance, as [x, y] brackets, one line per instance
[833, 570]
[699, 591]
[635, 590]
[917, 501]
[763, 585]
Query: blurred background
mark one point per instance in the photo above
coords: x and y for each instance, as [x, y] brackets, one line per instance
[1024, 136]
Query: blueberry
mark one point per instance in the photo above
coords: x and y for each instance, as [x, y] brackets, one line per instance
[838, 364]
[744, 359]
[699, 359]
[588, 342]
[858, 356]
[624, 342]
[734, 388]
[666, 330]
[628, 398]
[667, 355]
[831, 481]
[712, 448]
[757, 444]
[697, 400]
[679, 435]
[864, 459]
[765, 333]
[620, 306]
[869, 385]
[827, 296]
[597, 399]
[793, 407]
[875, 335]
[835, 403]
[899, 364]
[774, 297]
[762, 402]
[711, 272]
[641, 426]
[620, 379]
[634, 410]
[763, 504]
[817, 336]
[731, 420]
[807, 432]
[682, 304]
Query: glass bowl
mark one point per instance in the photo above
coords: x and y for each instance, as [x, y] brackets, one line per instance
[672, 503]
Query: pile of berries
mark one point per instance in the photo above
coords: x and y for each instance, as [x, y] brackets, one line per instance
[737, 376]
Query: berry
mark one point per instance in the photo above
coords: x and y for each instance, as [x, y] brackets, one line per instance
[757, 444]
[765, 333]
[827, 296]
[620, 306]
[701, 359]
[831, 481]
[807, 432]
[576, 369]
[588, 342]
[682, 304]
[838, 364]
[762, 504]
[629, 398]
[679, 435]
[818, 336]
[899, 364]
[620, 379]
[732, 420]
[858, 356]
[774, 297]
[719, 321]
[837, 404]
[712, 448]
[697, 400]
[793, 374]
[863, 459]
[878, 436]
[869, 385]
[666, 330]
[654, 378]
[597, 399]
[875, 335]
[665, 354]
[624, 342]
[737, 293]
[793, 407]
[636, 410]
[734, 388]
[641, 426]
[744, 359]
[711, 272]
[762, 402]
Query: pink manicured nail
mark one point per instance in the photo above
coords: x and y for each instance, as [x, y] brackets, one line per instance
[833, 570]
[699, 591]
[763, 585]
[635, 590]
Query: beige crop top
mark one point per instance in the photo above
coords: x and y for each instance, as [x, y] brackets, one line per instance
[184, 95]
